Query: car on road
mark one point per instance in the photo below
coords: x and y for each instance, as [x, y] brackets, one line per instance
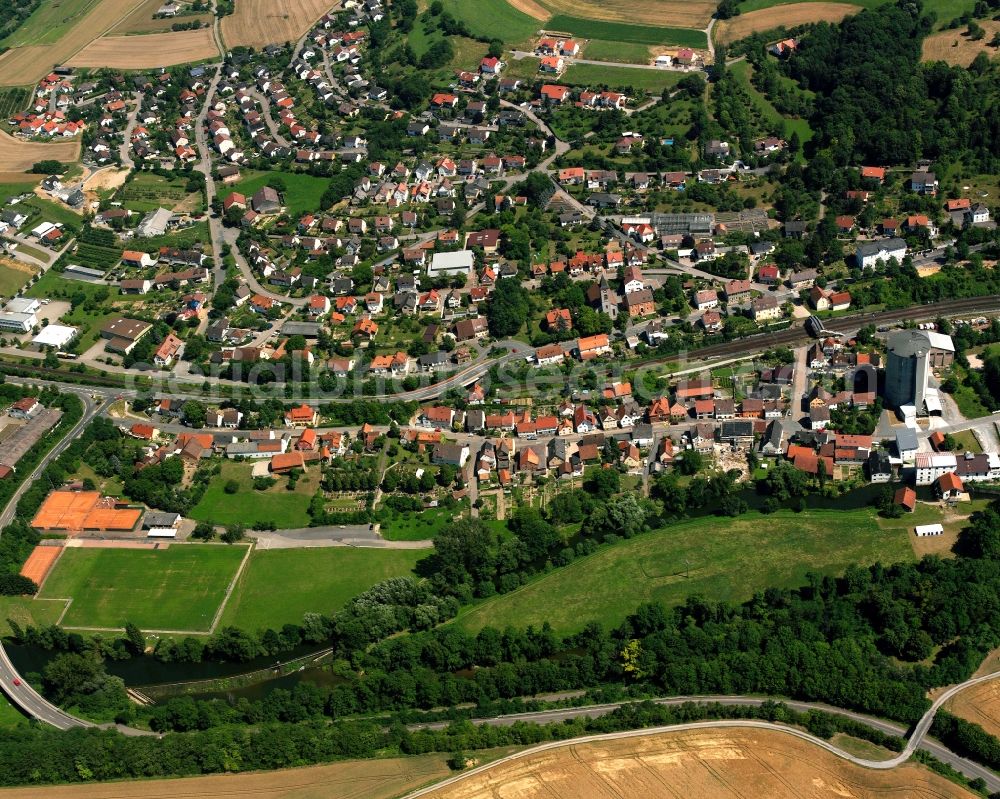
[17, 681]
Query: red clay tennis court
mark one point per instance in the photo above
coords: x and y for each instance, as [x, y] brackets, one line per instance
[40, 562]
[83, 510]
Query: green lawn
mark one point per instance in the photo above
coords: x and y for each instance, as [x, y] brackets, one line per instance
[10, 716]
[302, 195]
[967, 442]
[494, 19]
[12, 279]
[720, 559]
[625, 52]
[652, 80]
[27, 611]
[49, 22]
[417, 526]
[9, 190]
[279, 586]
[177, 588]
[287, 509]
[623, 32]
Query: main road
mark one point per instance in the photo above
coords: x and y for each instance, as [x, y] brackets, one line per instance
[13, 685]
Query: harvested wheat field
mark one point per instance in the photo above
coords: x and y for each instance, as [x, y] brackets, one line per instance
[730, 30]
[979, 704]
[659, 13]
[17, 155]
[147, 51]
[698, 764]
[531, 8]
[260, 22]
[21, 65]
[959, 50]
[353, 779]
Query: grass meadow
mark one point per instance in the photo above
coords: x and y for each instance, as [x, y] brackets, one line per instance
[287, 509]
[720, 559]
[279, 586]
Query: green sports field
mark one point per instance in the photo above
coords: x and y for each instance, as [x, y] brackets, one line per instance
[279, 586]
[177, 588]
[719, 559]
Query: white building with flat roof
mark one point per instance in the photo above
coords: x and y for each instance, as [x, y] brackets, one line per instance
[57, 336]
[451, 263]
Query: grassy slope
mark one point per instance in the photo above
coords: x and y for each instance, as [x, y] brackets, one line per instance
[279, 586]
[728, 559]
[10, 717]
[623, 32]
[494, 19]
[302, 195]
[768, 112]
[178, 588]
[49, 22]
[287, 509]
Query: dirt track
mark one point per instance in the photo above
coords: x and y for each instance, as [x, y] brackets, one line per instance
[17, 155]
[260, 22]
[703, 764]
[729, 30]
[147, 51]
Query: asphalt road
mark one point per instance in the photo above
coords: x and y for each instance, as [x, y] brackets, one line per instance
[13, 685]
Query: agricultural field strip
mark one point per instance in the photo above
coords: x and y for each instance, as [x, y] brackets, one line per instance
[654, 756]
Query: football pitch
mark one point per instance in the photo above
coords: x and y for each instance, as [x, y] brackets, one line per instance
[177, 588]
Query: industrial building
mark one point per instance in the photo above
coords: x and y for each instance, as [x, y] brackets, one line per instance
[19, 315]
[912, 356]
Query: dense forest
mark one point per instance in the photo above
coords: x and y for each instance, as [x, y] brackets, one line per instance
[876, 103]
